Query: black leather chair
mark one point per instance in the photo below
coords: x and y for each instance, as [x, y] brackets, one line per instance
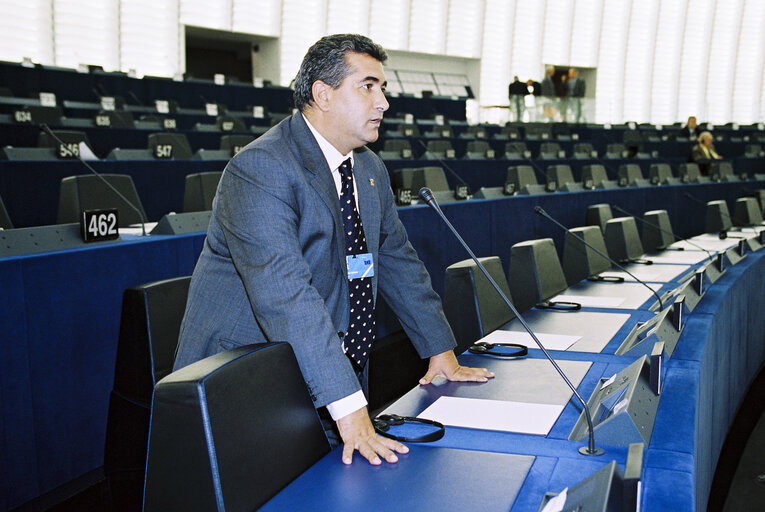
[149, 327]
[471, 304]
[199, 191]
[230, 431]
[535, 273]
[89, 192]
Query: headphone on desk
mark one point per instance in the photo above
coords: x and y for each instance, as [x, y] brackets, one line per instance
[486, 349]
[383, 423]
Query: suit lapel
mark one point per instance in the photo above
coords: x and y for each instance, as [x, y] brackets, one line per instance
[319, 176]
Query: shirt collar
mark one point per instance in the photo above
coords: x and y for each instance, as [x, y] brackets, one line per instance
[333, 157]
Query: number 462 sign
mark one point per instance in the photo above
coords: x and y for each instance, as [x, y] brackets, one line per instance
[97, 225]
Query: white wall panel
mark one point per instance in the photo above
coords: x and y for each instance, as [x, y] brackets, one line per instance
[389, 23]
[84, 33]
[609, 92]
[303, 23]
[722, 60]
[666, 62]
[464, 28]
[261, 17]
[639, 58]
[26, 30]
[748, 80]
[427, 26]
[557, 31]
[150, 40]
[694, 59]
[345, 17]
[207, 13]
[585, 33]
[496, 62]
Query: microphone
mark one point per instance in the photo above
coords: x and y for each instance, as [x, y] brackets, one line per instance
[546, 215]
[709, 254]
[427, 195]
[135, 98]
[47, 130]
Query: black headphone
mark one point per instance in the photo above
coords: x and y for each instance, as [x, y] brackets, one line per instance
[383, 422]
[483, 348]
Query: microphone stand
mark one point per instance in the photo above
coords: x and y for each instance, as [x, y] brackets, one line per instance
[590, 449]
[546, 215]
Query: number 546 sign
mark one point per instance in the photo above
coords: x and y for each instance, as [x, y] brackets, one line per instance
[96, 225]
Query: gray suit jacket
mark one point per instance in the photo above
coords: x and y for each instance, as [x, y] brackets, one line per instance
[273, 263]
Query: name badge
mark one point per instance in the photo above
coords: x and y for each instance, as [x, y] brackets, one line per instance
[360, 265]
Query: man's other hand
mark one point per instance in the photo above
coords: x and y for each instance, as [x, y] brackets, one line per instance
[445, 364]
[357, 433]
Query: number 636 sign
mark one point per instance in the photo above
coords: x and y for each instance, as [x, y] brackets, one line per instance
[97, 225]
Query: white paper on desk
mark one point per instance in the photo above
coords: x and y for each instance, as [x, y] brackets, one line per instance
[135, 229]
[591, 302]
[504, 416]
[550, 341]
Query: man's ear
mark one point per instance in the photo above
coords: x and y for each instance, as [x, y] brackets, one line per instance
[321, 92]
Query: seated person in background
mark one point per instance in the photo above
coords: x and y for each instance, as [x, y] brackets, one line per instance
[703, 152]
[690, 130]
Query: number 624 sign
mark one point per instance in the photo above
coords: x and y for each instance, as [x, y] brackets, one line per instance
[97, 225]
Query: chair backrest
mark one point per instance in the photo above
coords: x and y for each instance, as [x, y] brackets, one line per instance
[230, 431]
[615, 150]
[747, 211]
[631, 172]
[521, 175]
[169, 145]
[595, 173]
[510, 131]
[581, 261]
[717, 216]
[535, 272]
[560, 174]
[199, 191]
[622, 239]
[598, 215]
[396, 145]
[471, 304]
[233, 143]
[721, 169]
[439, 146]
[89, 192]
[228, 123]
[657, 231]
[403, 178]
[5, 220]
[515, 149]
[689, 171]
[549, 149]
[477, 146]
[659, 173]
[584, 148]
[432, 177]
[149, 326]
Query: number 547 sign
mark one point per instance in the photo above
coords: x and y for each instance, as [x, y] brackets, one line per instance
[97, 225]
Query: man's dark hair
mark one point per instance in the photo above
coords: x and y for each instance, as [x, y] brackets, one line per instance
[325, 61]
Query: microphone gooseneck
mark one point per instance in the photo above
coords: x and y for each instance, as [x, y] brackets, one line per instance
[546, 215]
[47, 130]
[590, 449]
[678, 239]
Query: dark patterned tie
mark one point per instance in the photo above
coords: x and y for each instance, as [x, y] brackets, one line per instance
[361, 326]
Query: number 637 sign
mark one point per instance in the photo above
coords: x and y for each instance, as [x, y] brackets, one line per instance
[97, 225]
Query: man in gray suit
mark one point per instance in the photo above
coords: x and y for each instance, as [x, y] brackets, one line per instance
[279, 257]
